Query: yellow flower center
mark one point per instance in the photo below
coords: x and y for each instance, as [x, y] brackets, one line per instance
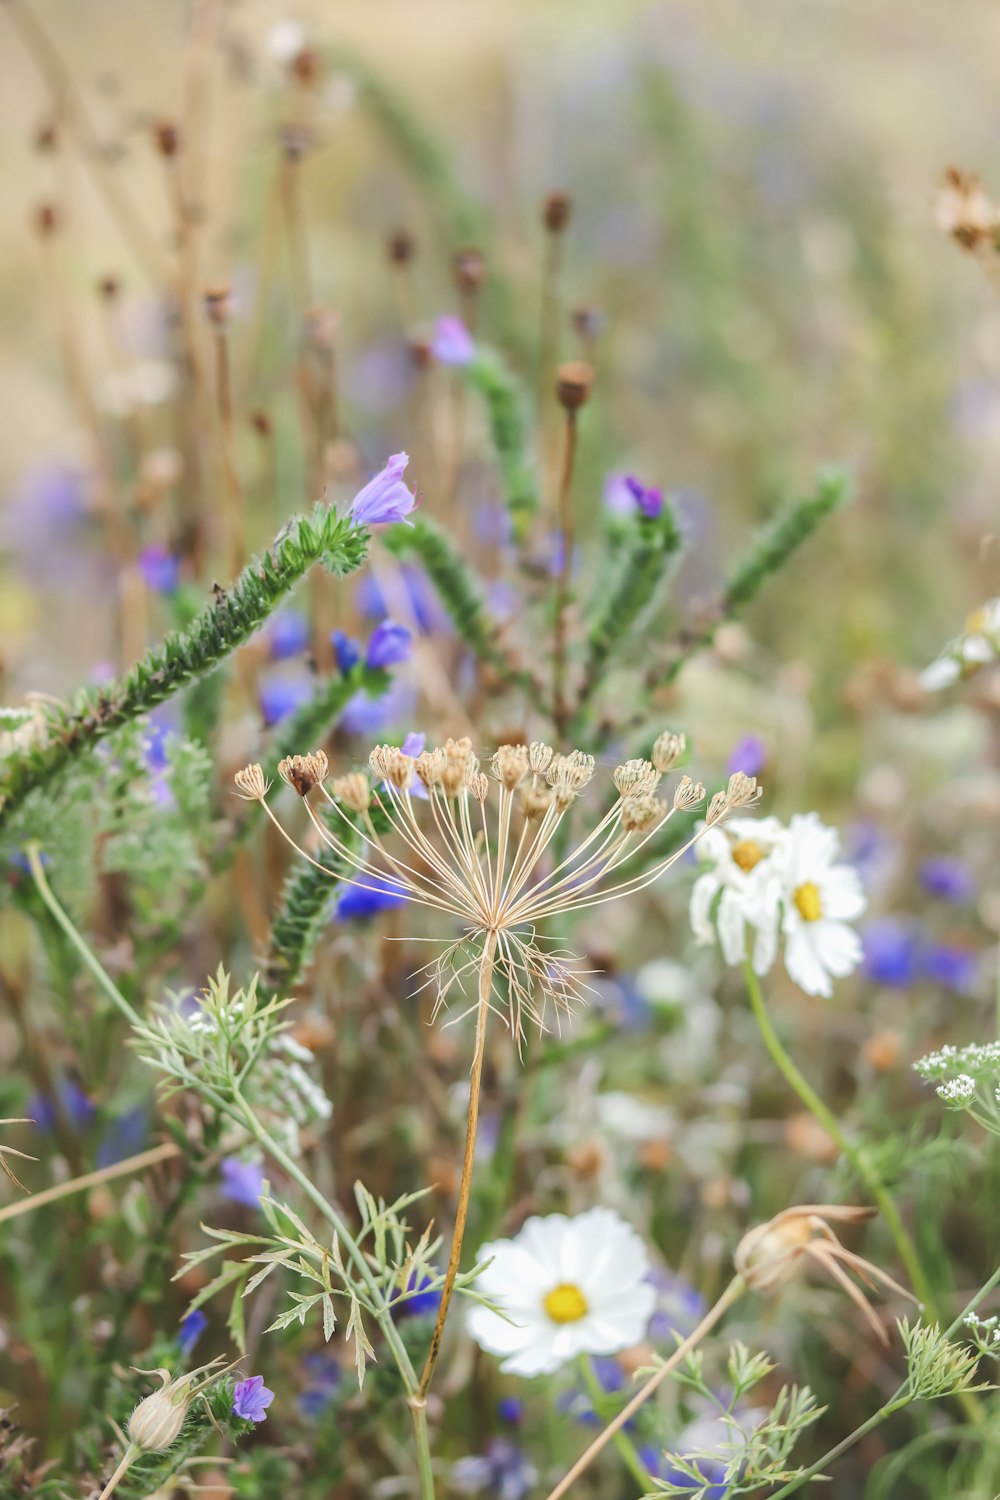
[975, 622]
[566, 1303]
[806, 898]
[746, 854]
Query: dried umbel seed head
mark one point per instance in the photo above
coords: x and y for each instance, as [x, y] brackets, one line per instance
[353, 790]
[568, 775]
[217, 305]
[742, 790]
[556, 211]
[668, 751]
[167, 138]
[251, 783]
[390, 764]
[640, 811]
[429, 766]
[479, 786]
[573, 384]
[400, 247]
[539, 757]
[717, 809]
[535, 801]
[966, 211]
[635, 777]
[458, 763]
[688, 793]
[468, 267]
[768, 1255]
[510, 765]
[303, 772]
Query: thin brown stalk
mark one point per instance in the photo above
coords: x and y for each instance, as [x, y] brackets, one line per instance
[236, 537]
[486, 963]
[560, 709]
[732, 1293]
[138, 1163]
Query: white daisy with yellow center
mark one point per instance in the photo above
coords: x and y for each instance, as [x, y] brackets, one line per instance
[738, 889]
[819, 899]
[563, 1287]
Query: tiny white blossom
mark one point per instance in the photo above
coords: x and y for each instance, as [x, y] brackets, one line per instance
[565, 1286]
[742, 876]
[957, 1093]
[978, 644]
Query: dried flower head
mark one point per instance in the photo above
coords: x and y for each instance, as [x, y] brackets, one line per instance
[217, 305]
[481, 851]
[966, 211]
[556, 211]
[668, 751]
[770, 1253]
[251, 783]
[157, 1421]
[573, 382]
[400, 247]
[303, 772]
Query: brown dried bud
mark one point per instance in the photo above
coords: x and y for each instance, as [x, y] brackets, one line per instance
[965, 210]
[742, 790]
[217, 306]
[539, 757]
[573, 382]
[305, 66]
[468, 268]
[459, 763]
[420, 351]
[261, 423]
[47, 136]
[47, 219]
[400, 246]
[167, 138]
[298, 772]
[108, 288]
[556, 211]
[479, 786]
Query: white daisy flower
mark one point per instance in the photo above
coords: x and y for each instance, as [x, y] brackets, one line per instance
[978, 644]
[565, 1287]
[741, 860]
[819, 899]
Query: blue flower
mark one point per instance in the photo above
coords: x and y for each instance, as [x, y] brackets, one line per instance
[503, 1472]
[280, 696]
[419, 1303]
[78, 1107]
[948, 877]
[242, 1181]
[389, 645]
[647, 499]
[358, 902]
[348, 652]
[510, 1409]
[123, 1136]
[452, 343]
[287, 634]
[323, 1375]
[160, 569]
[679, 1306]
[251, 1399]
[420, 595]
[191, 1330]
[749, 755]
[952, 966]
[385, 498]
[891, 952]
[370, 716]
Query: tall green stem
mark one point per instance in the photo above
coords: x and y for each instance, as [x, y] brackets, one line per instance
[624, 1444]
[107, 984]
[854, 1153]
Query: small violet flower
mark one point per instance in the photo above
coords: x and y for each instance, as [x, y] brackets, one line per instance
[280, 696]
[385, 499]
[503, 1472]
[648, 500]
[359, 902]
[287, 635]
[242, 1181]
[452, 343]
[948, 878]
[191, 1329]
[251, 1399]
[891, 949]
[388, 645]
[347, 652]
[160, 569]
[749, 755]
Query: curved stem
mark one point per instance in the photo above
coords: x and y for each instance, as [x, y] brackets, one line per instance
[465, 1186]
[128, 1459]
[855, 1154]
[624, 1444]
[34, 856]
[732, 1293]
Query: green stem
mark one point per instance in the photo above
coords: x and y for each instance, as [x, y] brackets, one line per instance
[622, 1441]
[899, 1399]
[34, 856]
[418, 1411]
[855, 1154]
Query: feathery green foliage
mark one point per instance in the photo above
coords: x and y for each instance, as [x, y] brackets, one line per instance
[504, 398]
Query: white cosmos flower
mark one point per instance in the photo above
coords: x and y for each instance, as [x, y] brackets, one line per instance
[819, 899]
[740, 857]
[978, 644]
[565, 1287]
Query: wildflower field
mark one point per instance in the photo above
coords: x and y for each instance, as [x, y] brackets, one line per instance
[499, 750]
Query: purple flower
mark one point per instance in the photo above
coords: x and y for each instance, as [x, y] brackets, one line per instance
[452, 342]
[749, 755]
[251, 1399]
[191, 1330]
[388, 645]
[323, 1375]
[510, 1409]
[358, 902]
[891, 952]
[287, 634]
[618, 496]
[420, 596]
[242, 1181]
[648, 500]
[679, 1306]
[280, 696]
[504, 1472]
[347, 652]
[385, 498]
[160, 569]
[948, 877]
[419, 1303]
[952, 966]
[77, 1107]
[123, 1136]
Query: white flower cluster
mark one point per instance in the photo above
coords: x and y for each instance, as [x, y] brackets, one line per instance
[765, 880]
[292, 1097]
[978, 644]
[980, 1061]
[958, 1093]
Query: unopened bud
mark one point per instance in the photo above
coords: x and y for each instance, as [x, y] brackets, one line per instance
[573, 382]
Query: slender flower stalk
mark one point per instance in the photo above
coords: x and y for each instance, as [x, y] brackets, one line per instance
[495, 875]
[573, 389]
[139, 1163]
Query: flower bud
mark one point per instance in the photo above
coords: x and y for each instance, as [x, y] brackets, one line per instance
[157, 1421]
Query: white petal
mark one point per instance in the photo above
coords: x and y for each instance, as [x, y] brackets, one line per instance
[732, 928]
[842, 896]
[837, 946]
[803, 965]
[940, 674]
[702, 896]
